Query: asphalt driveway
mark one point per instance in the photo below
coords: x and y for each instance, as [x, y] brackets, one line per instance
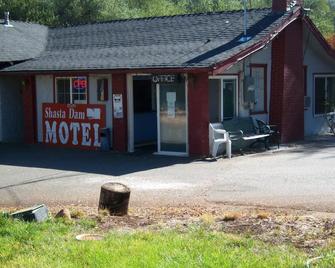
[298, 177]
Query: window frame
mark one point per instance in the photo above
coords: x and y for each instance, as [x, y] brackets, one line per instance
[322, 75]
[265, 70]
[232, 76]
[71, 91]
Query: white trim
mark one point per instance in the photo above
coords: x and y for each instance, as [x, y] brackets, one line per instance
[186, 111]
[158, 119]
[130, 117]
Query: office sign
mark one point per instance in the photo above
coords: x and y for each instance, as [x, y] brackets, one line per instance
[73, 125]
[164, 78]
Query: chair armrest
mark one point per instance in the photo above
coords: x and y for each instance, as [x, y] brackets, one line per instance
[220, 131]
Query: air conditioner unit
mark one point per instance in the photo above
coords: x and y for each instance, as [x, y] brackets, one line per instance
[307, 102]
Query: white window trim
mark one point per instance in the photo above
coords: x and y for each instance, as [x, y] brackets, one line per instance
[71, 93]
[228, 77]
[314, 99]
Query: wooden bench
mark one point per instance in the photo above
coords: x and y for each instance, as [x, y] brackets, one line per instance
[243, 133]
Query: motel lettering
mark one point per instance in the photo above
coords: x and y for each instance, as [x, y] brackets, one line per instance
[73, 125]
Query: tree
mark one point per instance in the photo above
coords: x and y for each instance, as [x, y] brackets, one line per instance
[322, 15]
[69, 12]
[39, 11]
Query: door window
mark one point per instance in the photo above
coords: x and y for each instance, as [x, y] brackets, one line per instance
[172, 118]
[229, 98]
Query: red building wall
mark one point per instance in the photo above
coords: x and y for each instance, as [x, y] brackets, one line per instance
[287, 86]
[120, 128]
[198, 114]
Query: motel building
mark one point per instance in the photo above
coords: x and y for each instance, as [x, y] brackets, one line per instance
[160, 81]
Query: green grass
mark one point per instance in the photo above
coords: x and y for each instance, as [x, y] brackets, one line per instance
[53, 244]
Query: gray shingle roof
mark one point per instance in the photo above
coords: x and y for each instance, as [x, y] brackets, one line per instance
[21, 42]
[198, 40]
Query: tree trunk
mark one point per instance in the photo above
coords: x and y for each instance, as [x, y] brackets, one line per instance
[115, 198]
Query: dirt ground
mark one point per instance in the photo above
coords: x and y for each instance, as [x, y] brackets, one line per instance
[306, 230]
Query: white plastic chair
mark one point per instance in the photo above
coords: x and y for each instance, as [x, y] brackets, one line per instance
[218, 136]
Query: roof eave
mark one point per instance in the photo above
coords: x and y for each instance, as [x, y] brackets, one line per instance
[112, 71]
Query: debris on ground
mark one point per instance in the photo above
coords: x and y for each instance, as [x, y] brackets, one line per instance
[37, 213]
[89, 237]
[304, 229]
[64, 214]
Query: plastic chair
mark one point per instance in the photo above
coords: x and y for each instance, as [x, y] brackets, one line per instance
[218, 136]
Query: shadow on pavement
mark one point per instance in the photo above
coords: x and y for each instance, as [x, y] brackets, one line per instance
[106, 163]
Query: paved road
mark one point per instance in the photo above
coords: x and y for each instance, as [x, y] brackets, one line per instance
[299, 177]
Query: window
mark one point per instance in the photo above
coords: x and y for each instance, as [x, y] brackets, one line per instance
[258, 73]
[102, 87]
[71, 90]
[324, 92]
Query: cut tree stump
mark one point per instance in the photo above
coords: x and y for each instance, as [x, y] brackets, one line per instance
[114, 197]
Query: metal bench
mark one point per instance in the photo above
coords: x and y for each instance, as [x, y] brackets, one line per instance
[244, 133]
[272, 130]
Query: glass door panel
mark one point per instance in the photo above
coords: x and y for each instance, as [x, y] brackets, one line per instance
[229, 98]
[172, 118]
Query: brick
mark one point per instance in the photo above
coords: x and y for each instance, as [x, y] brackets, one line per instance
[287, 90]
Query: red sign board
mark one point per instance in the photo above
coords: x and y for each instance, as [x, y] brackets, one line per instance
[73, 125]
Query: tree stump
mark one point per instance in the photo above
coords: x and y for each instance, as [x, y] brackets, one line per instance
[115, 198]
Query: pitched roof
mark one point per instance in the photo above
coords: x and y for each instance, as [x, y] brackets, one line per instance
[22, 41]
[183, 41]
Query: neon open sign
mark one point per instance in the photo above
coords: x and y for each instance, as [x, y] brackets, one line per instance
[79, 83]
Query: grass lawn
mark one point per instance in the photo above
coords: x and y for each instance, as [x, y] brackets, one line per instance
[53, 244]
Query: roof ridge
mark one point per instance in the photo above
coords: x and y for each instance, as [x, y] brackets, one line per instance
[25, 22]
[160, 17]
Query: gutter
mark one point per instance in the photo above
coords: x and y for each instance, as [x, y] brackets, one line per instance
[158, 70]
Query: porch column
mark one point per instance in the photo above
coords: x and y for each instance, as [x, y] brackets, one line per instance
[287, 85]
[29, 110]
[120, 137]
[198, 114]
